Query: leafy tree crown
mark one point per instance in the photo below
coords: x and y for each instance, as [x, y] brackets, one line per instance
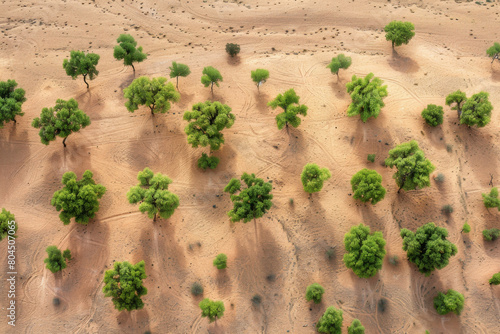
[455, 100]
[331, 321]
[220, 261]
[124, 285]
[452, 301]
[356, 327]
[205, 162]
[476, 110]
[11, 101]
[399, 32]
[491, 234]
[156, 94]
[495, 280]
[128, 51]
[55, 260]
[83, 64]
[466, 228]
[5, 218]
[211, 76]
[289, 102]
[339, 62]
[367, 96]
[367, 186]
[491, 200]
[493, 51]
[313, 177]
[179, 70]
[232, 49]
[212, 309]
[259, 76]
[314, 292]
[433, 115]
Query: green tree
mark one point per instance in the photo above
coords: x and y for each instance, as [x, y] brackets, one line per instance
[67, 255]
[62, 120]
[128, 51]
[491, 200]
[452, 301]
[356, 327]
[206, 121]
[465, 228]
[339, 62]
[493, 52]
[331, 321]
[259, 76]
[83, 64]
[365, 251]
[153, 194]
[495, 280]
[476, 110]
[156, 94]
[5, 218]
[78, 199]
[413, 169]
[11, 101]
[210, 77]
[124, 285]
[491, 234]
[289, 102]
[213, 309]
[232, 49]
[433, 115]
[313, 177]
[220, 261]
[252, 202]
[367, 186]
[399, 32]
[55, 260]
[314, 292]
[457, 98]
[367, 96]
[428, 248]
[179, 70]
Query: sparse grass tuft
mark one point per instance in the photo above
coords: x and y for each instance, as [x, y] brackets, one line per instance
[449, 148]
[439, 177]
[447, 209]
[271, 277]
[256, 299]
[290, 201]
[394, 260]
[330, 253]
[56, 301]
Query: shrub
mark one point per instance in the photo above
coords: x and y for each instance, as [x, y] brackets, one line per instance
[232, 49]
[433, 115]
[371, 157]
[466, 228]
[5, 227]
[196, 289]
[394, 260]
[367, 186]
[452, 301]
[491, 200]
[447, 209]
[220, 261]
[213, 309]
[290, 201]
[439, 178]
[382, 305]
[56, 301]
[330, 253]
[495, 280]
[356, 327]
[256, 300]
[313, 177]
[205, 162]
[55, 261]
[314, 292]
[491, 234]
[331, 321]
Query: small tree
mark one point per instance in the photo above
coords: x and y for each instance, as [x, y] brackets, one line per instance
[220, 261]
[154, 94]
[491, 234]
[313, 177]
[153, 194]
[67, 255]
[456, 100]
[428, 248]
[55, 260]
[356, 327]
[82, 64]
[314, 292]
[339, 62]
[433, 115]
[259, 76]
[124, 285]
[367, 96]
[289, 102]
[491, 200]
[208, 162]
[6, 219]
[493, 52]
[179, 70]
[476, 110]
[62, 120]
[365, 251]
[78, 199]
[213, 309]
[495, 280]
[252, 202]
[128, 51]
[11, 101]
[399, 32]
[210, 77]
[452, 301]
[331, 321]
[465, 228]
[413, 169]
[232, 49]
[196, 289]
[367, 186]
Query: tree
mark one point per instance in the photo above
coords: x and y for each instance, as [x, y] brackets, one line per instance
[11, 101]
[428, 248]
[413, 169]
[55, 260]
[356, 327]
[314, 292]
[367, 186]
[62, 120]
[220, 261]
[128, 51]
[259, 76]
[153, 194]
[206, 121]
[399, 32]
[491, 234]
[433, 115]
[313, 177]
[6, 225]
[232, 49]
[252, 202]
[289, 102]
[154, 94]
[452, 301]
[365, 251]
[210, 77]
[339, 62]
[495, 280]
[476, 110]
[212, 309]
[465, 228]
[331, 321]
[493, 52]
[83, 64]
[458, 98]
[179, 70]
[367, 96]
[67, 255]
[124, 285]
[78, 199]
[491, 200]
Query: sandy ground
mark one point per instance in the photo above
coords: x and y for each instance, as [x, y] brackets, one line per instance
[285, 251]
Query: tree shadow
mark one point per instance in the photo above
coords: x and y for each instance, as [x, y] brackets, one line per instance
[136, 321]
[339, 89]
[435, 134]
[223, 282]
[185, 101]
[402, 63]
[261, 100]
[127, 81]
[495, 75]
[233, 61]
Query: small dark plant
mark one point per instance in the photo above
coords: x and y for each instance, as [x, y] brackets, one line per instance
[196, 289]
[232, 49]
[447, 209]
[371, 157]
[256, 300]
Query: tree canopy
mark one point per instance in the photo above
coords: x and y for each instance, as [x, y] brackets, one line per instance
[232, 49]
[456, 100]
[220, 261]
[476, 110]
[313, 177]
[491, 234]
[491, 200]
[314, 292]
[413, 169]
[367, 186]
[465, 228]
[259, 76]
[213, 309]
[11, 101]
[356, 327]
[82, 64]
[62, 120]
[5, 218]
[128, 51]
[452, 301]
[399, 32]
[331, 321]
[289, 102]
[56, 261]
[78, 199]
[428, 248]
[157, 94]
[179, 70]
[339, 62]
[365, 251]
[367, 96]
[210, 77]
[433, 115]
[153, 194]
[495, 279]
[252, 202]
[124, 285]
[493, 52]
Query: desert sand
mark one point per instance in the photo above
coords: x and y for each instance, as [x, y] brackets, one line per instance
[285, 251]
